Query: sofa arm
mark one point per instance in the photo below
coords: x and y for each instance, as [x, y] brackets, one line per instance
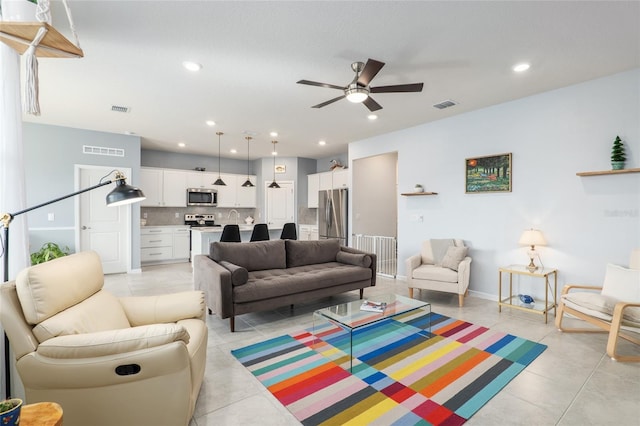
[374, 261]
[464, 272]
[411, 264]
[215, 281]
[112, 342]
[165, 308]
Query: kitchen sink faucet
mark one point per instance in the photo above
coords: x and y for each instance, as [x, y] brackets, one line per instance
[233, 211]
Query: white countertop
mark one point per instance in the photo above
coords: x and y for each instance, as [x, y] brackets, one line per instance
[243, 228]
[163, 226]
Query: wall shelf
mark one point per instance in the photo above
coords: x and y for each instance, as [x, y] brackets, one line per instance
[413, 194]
[18, 35]
[608, 172]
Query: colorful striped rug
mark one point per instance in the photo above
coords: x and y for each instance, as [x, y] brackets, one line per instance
[414, 369]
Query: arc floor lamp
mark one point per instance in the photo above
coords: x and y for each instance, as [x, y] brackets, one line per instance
[121, 195]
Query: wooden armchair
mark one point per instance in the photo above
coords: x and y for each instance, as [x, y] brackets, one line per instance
[614, 309]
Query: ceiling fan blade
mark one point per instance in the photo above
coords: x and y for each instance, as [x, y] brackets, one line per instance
[330, 101]
[371, 104]
[415, 87]
[370, 70]
[315, 83]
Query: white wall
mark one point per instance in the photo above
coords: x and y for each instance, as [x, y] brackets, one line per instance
[587, 221]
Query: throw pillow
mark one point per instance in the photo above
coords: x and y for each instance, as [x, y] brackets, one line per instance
[239, 275]
[622, 283]
[453, 257]
[357, 259]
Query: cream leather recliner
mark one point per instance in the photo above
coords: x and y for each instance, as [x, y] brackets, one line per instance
[441, 265]
[105, 360]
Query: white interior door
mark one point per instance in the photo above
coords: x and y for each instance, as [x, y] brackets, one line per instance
[280, 205]
[103, 229]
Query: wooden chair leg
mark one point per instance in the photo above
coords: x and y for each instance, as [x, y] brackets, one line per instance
[361, 293]
[410, 292]
[232, 324]
[614, 335]
[461, 300]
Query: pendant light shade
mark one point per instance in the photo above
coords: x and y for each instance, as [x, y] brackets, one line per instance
[219, 181]
[274, 184]
[248, 183]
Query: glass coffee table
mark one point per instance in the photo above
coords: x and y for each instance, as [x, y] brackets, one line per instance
[351, 318]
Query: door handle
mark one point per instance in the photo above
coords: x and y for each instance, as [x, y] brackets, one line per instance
[86, 227]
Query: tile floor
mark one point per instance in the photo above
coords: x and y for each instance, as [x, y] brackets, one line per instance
[572, 383]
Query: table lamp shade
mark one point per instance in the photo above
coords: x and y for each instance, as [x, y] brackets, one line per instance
[532, 237]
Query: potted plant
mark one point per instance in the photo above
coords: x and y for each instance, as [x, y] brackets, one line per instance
[10, 412]
[617, 155]
[418, 188]
[47, 252]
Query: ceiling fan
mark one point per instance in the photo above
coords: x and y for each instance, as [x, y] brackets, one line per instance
[358, 90]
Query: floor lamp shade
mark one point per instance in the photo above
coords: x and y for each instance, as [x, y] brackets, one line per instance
[124, 194]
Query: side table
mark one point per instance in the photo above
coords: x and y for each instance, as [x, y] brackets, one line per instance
[539, 273]
[41, 414]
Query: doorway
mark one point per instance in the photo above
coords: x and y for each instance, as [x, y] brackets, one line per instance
[279, 204]
[105, 230]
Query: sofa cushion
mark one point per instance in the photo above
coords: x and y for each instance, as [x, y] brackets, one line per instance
[51, 287]
[253, 256]
[358, 259]
[453, 257]
[283, 282]
[435, 273]
[600, 306]
[239, 274]
[301, 253]
[99, 312]
[113, 342]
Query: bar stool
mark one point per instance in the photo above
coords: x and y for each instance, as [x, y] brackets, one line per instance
[289, 232]
[260, 232]
[230, 234]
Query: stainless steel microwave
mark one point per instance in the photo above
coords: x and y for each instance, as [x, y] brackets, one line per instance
[206, 197]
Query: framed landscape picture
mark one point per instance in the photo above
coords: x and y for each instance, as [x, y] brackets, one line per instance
[491, 173]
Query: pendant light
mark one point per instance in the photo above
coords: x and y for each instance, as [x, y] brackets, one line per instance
[248, 183]
[274, 184]
[219, 181]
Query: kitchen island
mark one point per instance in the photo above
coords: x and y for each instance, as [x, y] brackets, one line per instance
[202, 237]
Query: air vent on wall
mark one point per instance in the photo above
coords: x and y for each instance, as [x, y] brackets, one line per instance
[101, 150]
[117, 108]
[445, 104]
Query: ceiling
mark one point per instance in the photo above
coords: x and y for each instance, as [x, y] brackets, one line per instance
[252, 54]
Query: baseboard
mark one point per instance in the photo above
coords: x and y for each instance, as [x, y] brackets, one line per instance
[483, 295]
[135, 271]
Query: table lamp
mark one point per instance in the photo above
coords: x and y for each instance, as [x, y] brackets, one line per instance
[532, 237]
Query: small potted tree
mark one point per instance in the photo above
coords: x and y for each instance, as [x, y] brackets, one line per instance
[10, 412]
[617, 155]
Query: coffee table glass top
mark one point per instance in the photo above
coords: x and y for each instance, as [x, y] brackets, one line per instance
[351, 316]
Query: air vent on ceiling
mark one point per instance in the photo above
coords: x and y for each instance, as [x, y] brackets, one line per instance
[445, 104]
[117, 108]
[101, 150]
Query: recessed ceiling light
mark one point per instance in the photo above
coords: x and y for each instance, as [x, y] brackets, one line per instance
[233, 151]
[273, 134]
[322, 143]
[192, 66]
[211, 123]
[182, 144]
[521, 67]
[372, 117]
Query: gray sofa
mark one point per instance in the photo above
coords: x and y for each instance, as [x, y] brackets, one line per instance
[238, 278]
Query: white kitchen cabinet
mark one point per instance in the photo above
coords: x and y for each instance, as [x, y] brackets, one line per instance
[181, 243]
[233, 194]
[163, 188]
[325, 181]
[340, 178]
[201, 179]
[163, 244]
[313, 186]
[308, 232]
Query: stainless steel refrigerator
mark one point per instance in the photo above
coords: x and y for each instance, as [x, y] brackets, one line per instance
[332, 215]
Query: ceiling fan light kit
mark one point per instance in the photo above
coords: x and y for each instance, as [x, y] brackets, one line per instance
[358, 90]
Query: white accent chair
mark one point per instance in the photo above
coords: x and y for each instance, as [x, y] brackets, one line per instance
[105, 360]
[613, 307]
[441, 265]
